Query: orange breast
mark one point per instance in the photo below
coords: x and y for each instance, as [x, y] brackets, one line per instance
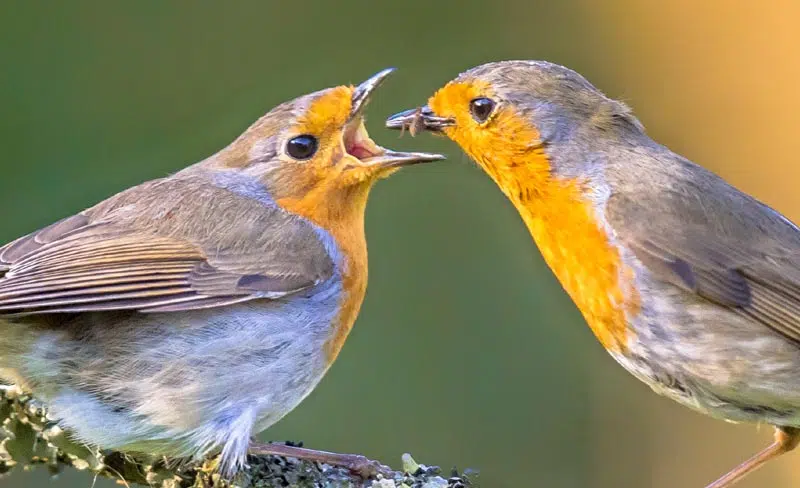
[558, 214]
[588, 266]
[342, 215]
[354, 280]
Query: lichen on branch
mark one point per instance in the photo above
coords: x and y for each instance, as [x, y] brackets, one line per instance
[29, 438]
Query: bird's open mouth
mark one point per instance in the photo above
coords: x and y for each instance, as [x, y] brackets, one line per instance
[357, 142]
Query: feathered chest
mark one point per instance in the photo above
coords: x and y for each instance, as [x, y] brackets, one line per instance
[569, 231]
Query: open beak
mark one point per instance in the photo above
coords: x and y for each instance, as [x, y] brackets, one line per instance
[357, 142]
[417, 119]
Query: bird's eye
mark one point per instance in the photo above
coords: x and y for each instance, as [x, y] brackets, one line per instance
[302, 147]
[481, 108]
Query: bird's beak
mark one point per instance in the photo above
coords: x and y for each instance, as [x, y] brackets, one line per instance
[363, 91]
[417, 119]
[395, 159]
[374, 158]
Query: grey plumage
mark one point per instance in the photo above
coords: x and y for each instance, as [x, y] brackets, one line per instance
[706, 278]
[186, 314]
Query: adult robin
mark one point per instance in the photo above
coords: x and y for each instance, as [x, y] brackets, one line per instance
[690, 284]
[186, 314]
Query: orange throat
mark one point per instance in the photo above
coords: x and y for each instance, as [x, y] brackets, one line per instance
[565, 226]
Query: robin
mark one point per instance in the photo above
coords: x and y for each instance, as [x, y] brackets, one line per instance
[186, 314]
[690, 284]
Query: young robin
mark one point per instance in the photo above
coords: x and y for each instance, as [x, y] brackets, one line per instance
[690, 284]
[186, 314]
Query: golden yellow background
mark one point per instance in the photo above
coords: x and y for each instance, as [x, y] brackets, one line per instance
[467, 352]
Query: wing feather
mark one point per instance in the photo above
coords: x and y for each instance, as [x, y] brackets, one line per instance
[756, 274]
[125, 255]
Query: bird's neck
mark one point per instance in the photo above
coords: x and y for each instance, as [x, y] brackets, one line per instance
[569, 229]
[342, 215]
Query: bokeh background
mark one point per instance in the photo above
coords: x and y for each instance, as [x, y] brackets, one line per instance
[467, 352]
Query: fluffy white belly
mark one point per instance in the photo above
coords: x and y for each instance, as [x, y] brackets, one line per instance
[179, 384]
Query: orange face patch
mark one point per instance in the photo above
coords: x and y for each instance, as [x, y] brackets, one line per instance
[453, 101]
[558, 215]
[306, 187]
[327, 113]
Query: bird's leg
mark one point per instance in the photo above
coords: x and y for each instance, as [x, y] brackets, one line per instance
[364, 467]
[786, 439]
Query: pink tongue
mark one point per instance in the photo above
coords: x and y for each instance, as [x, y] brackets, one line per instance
[359, 152]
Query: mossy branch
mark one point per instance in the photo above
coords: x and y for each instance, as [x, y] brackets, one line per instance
[29, 438]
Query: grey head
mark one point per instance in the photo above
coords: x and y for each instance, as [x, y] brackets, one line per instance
[557, 100]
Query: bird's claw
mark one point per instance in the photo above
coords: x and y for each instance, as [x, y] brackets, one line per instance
[367, 468]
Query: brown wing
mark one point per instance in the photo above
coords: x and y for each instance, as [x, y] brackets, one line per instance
[756, 273]
[124, 254]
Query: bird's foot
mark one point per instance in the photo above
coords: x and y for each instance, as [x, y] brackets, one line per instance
[355, 463]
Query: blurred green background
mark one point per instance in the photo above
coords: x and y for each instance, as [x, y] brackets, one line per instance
[467, 352]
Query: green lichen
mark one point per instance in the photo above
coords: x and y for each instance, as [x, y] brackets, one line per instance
[29, 438]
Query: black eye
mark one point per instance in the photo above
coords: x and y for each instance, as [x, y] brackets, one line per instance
[481, 109]
[302, 147]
